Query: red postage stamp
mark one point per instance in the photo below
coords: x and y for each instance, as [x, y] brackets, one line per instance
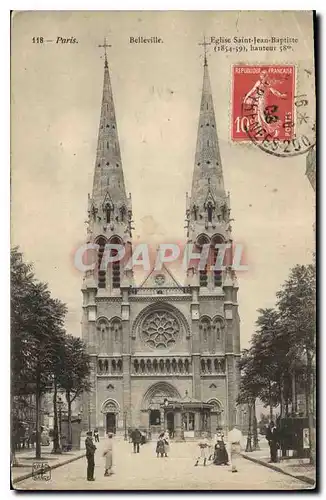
[263, 99]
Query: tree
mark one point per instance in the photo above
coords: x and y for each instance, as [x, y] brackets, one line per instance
[297, 305]
[36, 321]
[251, 384]
[269, 350]
[73, 373]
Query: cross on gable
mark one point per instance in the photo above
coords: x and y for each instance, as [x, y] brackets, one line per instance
[104, 46]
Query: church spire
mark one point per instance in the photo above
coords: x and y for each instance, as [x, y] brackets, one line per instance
[208, 206]
[109, 207]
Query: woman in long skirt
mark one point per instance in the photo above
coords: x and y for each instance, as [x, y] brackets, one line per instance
[221, 456]
[160, 446]
[166, 443]
[108, 454]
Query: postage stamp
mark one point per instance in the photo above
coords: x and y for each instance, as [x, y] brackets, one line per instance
[263, 101]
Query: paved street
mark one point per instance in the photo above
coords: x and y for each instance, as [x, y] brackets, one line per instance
[145, 471]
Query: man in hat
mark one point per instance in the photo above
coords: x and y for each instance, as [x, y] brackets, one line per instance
[273, 439]
[136, 439]
[90, 452]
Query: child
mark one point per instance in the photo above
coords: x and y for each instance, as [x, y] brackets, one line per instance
[160, 447]
[204, 447]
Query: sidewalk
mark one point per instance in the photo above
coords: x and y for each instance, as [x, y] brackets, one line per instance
[298, 468]
[26, 459]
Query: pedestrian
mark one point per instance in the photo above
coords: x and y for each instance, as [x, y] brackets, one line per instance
[136, 439]
[272, 437]
[235, 441]
[160, 446]
[108, 454]
[90, 452]
[204, 447]
[221, 456]
[166, 438]
[96, 436]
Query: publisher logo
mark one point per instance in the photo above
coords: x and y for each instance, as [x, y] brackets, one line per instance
[41, 471]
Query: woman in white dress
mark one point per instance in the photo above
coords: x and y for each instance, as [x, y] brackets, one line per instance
[166, 443]
[108, 454]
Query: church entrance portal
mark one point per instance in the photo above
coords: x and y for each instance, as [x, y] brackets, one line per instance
[111, 422]
[155, 417]
[170, 423]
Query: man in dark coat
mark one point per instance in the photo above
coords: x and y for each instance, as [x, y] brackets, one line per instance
[136, 439]
[90, 452]
[272, 438]
[96, 436]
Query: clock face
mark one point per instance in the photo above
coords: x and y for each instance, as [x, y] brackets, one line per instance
[159, 279]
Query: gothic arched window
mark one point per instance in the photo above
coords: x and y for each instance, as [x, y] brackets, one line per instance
[108, 212]
[116, 272]
[209, 211]
[101, 273]
[123, 213]
[217, 240]
[195, 211]
[160, 329]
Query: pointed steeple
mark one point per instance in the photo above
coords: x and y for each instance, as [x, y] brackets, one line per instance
[208, 206]
[109, 207]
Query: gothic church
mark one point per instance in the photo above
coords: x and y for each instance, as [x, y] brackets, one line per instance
[163, 355]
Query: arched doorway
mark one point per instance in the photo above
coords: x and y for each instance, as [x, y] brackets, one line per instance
[217, 411]
[153, 400]
[110, 409]
[170, 422]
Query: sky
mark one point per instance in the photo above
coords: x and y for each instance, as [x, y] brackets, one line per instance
[56, 97]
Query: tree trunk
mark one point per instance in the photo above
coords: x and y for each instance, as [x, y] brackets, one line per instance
[13, 433]
[38, 415]
[69, 419]
[255, 427]
[249, 437]
[270, 401]
[282, 398]
[294, 394]
[56, 445]
[312, 440]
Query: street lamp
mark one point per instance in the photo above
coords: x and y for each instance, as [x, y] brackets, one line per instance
[249, 437]
[60, 404]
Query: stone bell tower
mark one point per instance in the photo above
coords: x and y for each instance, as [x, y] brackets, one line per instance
[109, 222]
[215, 318]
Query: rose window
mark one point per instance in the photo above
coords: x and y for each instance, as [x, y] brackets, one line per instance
[160, 330]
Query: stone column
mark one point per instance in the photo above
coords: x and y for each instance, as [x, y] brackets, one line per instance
[126, 358]
[196, 376]
[197, 424]
[92, 396]
[162, 415]
[231, 391]
[149, 425]
[177, 421]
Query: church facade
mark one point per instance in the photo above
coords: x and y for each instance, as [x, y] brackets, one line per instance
[163, 354]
